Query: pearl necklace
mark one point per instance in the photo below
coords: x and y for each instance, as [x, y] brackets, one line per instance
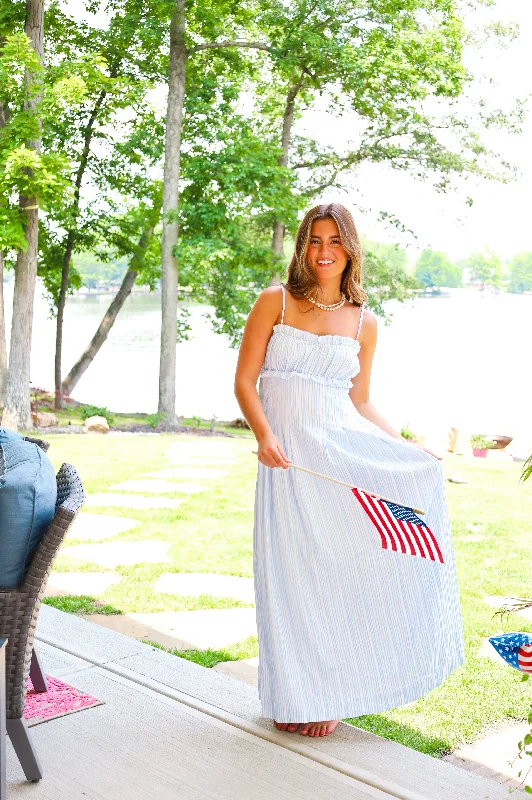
[332, 307]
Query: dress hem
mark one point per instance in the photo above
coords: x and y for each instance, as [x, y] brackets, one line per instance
[401, 698]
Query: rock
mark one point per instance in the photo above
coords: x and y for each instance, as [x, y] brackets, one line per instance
[239, 422]
[44, 419]
[96, 425]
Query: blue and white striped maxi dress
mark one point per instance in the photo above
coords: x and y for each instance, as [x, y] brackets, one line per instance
[345, 627]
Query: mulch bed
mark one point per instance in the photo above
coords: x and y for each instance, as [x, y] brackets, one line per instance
[177, 429]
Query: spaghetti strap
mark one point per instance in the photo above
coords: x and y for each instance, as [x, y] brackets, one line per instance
[284, 298]
[362, 309]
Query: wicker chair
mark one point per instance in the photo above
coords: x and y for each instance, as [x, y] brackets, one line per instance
[19, 609]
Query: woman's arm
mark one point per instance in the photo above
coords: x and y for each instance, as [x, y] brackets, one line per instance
[257, 332]
[359, 392]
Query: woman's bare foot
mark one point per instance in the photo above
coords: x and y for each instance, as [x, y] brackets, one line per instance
[291, 727]
[319, 728]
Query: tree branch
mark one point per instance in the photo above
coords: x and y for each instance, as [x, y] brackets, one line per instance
[235, 43]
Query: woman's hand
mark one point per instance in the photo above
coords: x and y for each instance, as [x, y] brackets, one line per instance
[427, 450]
[270, 452]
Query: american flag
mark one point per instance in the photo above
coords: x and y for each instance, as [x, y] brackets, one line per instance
[399, 528]
[516, 649]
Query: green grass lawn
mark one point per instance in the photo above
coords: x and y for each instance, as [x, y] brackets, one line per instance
[209, 532]
[212, 532]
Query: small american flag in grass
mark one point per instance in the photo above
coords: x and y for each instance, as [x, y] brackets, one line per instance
[399, 528]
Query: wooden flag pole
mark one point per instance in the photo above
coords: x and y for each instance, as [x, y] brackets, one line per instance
[350, 486]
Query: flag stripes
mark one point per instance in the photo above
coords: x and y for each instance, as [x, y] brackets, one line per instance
[524, 658]
[399, 528]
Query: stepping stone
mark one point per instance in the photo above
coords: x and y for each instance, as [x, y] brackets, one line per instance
[125, 624]
[99, 526]
[490, 756]
[159, 487]
[131, 501]
[193, 584]
[191, 461]
[91, 583]
[202, 449]
[111, 554]
[245, 670]
[188, 472]
[214, 628]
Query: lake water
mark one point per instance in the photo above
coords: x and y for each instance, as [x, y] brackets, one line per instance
[460, 359]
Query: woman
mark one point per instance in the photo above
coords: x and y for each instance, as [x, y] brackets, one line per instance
[347, 624]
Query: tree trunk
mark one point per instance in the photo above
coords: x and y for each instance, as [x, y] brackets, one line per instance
[3, 350]
[17, 411]
[278, 225]
[3, 347]
[169, 278]
[84, 362]
[61, 302]
[69, 243]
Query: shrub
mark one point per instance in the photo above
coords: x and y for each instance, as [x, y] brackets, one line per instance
[154, 419]
[406, 433]
[96, 411]
[478, 442]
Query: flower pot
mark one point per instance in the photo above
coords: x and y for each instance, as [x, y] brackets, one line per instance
[480, 453]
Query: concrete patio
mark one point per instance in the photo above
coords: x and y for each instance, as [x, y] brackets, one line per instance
[170, 728]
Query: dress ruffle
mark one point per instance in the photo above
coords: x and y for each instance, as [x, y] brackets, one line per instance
[339, 383]
[316, 338]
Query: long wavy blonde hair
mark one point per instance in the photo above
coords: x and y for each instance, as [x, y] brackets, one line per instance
[302, 279]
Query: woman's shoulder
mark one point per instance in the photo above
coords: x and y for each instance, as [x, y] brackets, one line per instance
[369, 317]
[368, 327]
[272, 291]
[270, 297]
[267, 306]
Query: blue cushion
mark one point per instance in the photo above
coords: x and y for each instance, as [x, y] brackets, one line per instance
[28, 492]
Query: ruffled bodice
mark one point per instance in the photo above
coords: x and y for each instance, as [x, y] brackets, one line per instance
[329, 359]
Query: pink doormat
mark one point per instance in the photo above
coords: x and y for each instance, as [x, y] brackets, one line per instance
[59, 700]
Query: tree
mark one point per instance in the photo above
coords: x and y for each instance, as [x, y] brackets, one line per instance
[230, 193]
[385, 275]
[35, 173]
[118, 64]
[17, 411]
[385, 280]
[11, 83]
[434, 270]
[521, 273]
[485, 268]
[225, 174]
[133, 235]
[94, 272]
[302, 49]
[421, 45]
[220, 149]
[381, 60]
[172, 153]
[207, 22]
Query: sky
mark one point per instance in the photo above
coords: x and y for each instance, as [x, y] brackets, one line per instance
[499, 216]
